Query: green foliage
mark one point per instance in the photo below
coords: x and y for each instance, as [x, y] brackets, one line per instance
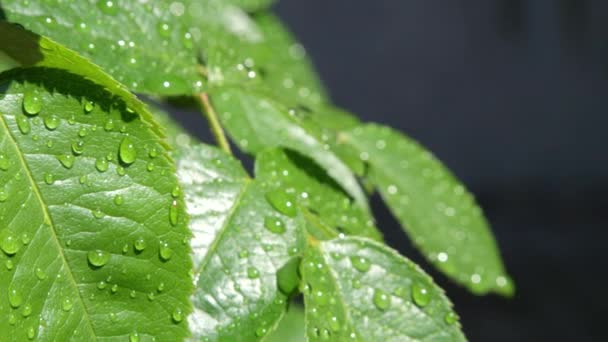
[117, 224]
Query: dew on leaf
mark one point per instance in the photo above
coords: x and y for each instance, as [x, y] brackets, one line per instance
[173, 213]
[153, 153]
[177, 315]
[98, 258]
[150, 167]
[360, 263]
[114, 288]
[382, 300]
[25, 238]
[274, 224]
[3, 196]
[97, 213]
[119, 200]
[14, 297]
[139, 244]
[282, 202]
[164, 30]
[78, 147]
[101, 285]
[66, 304]
[66, 160]
[450, 318]
[9, 264]
[176, 192]
[40, 274]
[134, 337]
[253, 273]
[89, 105]
[12, 319]
[127, 152]
[420, 295]
[165, 251]
[261, 331]
[26, 311]
[49, 178]
[4, 162]
[32, 103]
[9, 243]
[109, 125]
[31, 333]
[23, 124]
[101, 164]
[132, 294]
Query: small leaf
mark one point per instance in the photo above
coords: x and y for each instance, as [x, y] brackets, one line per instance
[237, 256]
[256, 122]
[347, 302]
[71, 223]
[440, 215]
[143, 45]
[315, 191]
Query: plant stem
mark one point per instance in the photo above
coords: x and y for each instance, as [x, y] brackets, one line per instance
[214, 123]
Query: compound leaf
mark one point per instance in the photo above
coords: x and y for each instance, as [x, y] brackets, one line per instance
[359, 290]
[92, 231]
[434, 208]
[245, 234]
[256, 122]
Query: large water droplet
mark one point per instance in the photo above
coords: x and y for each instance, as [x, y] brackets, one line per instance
[4, 162]
[23, 124]
[98, 258]
[177, 315]
[282, 202]
[382, 300]
[360, 263]
[66, 160]
[9, 243]
[173, 213]
[101, 164]
[139, 244]
[14, 297]
[32, 103]
[274, 224]
[127, 152]
[165, 251]
[89, 105]
[51, 122]
[420, 295]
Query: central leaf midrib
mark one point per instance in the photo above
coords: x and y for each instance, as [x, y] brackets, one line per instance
[47, 218]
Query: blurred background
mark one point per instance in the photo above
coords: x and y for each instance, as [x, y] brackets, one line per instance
[512, 96]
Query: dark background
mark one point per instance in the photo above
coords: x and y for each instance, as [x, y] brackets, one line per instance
[511, 94]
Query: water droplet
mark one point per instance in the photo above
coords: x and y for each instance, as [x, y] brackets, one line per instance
[261, 331]
[450, 318]
[132, 294]
[31, 333]
[89, 105]
[121, 171]
[27, 310]
[23, 124]
[134, 337]
[66, 304]
[165, 252]
[101, 164]
[78, 147]
[25, 238]
[9, 264]
[177, 315]
[66, 160]
[164, 30]
[153, 153]
[253, 273]
[101, 285]
[151, 296]
[119, 200]
[97, 213]
[420, 295]
[176, 192]
[40, 274]
[139, 244]
[360, 263]
[4, 162]
[321, 298]
[243, 254]
[49, 178]
[150, 167]
[127, 152]
[12, 319]
[9, 242]
[14, 297]
[114, 288]
[82, 132]
[282, 202]
[382, 300]
[173, 213]
[274, 224]
[98, 258]
[32, 102]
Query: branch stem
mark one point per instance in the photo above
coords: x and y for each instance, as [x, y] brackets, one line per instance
[214, 123]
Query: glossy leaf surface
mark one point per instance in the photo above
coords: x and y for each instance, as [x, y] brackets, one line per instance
[256, 122]
[439, 214]
[244, 233]
[93, 240]
[359, 290]
[149, 46]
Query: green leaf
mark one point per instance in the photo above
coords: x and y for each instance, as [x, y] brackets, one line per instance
[291, 327]
[25, 49]
[94, 243]
[250, 5]
[256, 122]
[262, 55]
[359, 290]
[440, 215]
[148, 46]
[315, 191]
[244, 233]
